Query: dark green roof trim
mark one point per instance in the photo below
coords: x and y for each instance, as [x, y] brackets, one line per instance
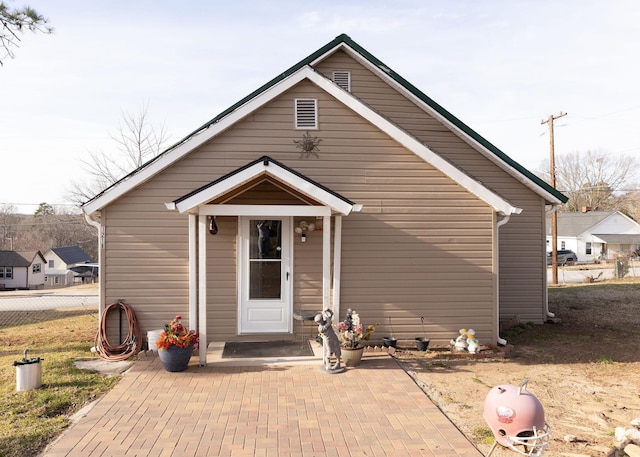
[304, 62]
[407, 85]
[453, 119]
[345, 39]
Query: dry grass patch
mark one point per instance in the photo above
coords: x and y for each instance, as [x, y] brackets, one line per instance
[30, 420]
[585, 370]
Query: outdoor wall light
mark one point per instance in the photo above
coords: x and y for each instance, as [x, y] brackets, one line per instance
[303, 228]
[213, 227]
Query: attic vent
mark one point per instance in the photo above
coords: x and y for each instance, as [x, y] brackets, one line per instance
[342, 79]
[306, 113]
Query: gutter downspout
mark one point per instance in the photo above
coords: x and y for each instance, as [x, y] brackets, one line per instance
[500, 223]
[92, 222]
[548, 313]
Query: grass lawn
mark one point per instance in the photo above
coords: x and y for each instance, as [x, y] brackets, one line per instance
[31, 419]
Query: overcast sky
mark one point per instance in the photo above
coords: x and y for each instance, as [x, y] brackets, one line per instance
[499, 66]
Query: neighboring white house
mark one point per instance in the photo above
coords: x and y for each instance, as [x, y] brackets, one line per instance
[65, 258]
[21, 270]
[596, 234]
[68, 265]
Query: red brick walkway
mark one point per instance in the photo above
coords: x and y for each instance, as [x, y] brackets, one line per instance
[270, 410]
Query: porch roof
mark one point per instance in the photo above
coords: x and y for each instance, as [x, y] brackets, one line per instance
[615, 238]
[270, 169]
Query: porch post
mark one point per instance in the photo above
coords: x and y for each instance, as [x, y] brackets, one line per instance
[202, 288]
[193, 272]
[337, 267]
[326, 262]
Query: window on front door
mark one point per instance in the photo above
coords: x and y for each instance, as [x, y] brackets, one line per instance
[265, 254]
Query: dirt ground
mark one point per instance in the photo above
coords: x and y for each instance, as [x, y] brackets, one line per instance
[585, 370]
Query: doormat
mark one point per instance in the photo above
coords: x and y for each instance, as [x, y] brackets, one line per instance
[267, 349]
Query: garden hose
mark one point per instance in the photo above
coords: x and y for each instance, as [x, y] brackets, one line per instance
[130, 346]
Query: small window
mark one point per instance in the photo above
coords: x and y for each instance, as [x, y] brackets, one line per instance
[56, 279]
[51, 263]
[342, 79]
[562, 246]
[306, 113]
[6, 272]
[36, 268]
[588, 248]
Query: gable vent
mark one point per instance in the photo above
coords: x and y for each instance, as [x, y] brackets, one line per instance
[342, 79]
[306, 113]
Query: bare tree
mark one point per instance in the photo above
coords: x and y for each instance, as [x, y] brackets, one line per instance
[15, 21]
[58, 227]
[593, 179]
[629, 203]
[136, 142]
[8, 225]
[49, 226]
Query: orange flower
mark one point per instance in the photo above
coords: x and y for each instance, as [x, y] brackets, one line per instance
[175, 334]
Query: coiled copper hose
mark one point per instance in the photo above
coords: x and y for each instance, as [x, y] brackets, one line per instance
[130, 346]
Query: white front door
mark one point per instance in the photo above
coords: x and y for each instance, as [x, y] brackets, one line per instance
[265, 275]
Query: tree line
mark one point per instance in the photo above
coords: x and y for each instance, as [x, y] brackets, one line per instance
[596, 180]
[48, 227]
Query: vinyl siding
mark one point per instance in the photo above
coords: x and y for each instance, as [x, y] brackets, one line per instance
[522, 240]
[222, 312]
[421, 247]
[145, 260]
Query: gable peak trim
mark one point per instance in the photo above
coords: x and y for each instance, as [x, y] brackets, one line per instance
[272, 168]
[234, 112]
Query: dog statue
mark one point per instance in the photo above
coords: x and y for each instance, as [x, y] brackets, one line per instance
[331, 343]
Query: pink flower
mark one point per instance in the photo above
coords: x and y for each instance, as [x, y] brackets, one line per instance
[352, 332]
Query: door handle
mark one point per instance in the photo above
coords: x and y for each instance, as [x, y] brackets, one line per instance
[288, 275]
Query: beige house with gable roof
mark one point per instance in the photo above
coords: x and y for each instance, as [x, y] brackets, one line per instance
[415, 215]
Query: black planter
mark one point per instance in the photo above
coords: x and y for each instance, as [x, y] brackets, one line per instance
[175, 358]
[389, 342]
[422, 343]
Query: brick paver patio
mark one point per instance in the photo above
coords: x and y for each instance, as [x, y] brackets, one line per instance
[281, 409]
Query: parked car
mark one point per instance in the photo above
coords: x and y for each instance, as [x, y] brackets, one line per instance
[565, 257]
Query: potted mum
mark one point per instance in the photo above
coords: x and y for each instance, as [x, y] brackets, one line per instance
[352, 333]
[175, 345]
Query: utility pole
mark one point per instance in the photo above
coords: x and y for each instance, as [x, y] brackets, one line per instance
[554, 215]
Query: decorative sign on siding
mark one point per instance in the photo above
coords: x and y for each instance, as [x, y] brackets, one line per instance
[308, 145]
